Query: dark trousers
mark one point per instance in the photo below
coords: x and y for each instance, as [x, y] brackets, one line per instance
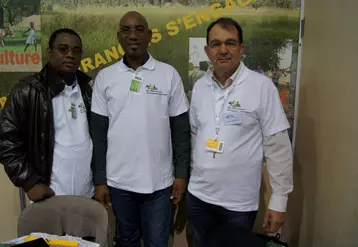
[142, 214]
[206, 219]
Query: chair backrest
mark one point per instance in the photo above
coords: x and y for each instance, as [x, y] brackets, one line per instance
[72, 215]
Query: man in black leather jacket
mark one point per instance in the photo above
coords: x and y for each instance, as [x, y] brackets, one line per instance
[30, 119]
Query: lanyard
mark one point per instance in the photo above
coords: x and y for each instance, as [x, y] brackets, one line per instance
[218, 113]
[73, 108]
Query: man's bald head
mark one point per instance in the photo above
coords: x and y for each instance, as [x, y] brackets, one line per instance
[133, 16]
[134, 34]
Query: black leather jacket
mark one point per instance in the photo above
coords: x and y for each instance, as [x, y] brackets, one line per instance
[27, 128]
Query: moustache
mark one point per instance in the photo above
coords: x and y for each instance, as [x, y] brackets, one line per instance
[223, 58]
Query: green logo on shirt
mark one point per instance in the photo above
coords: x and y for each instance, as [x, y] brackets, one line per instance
[233, 105]
[82, 107]
[152, 89]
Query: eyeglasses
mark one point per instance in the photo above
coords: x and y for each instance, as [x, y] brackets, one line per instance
[137, 31]
[230, 44]
[65, 49]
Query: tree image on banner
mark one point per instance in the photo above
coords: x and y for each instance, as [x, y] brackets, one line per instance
[263, 53]
[17, 9]
[288, 4]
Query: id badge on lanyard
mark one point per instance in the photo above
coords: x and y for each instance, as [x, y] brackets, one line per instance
[135, 83]
[73, 108]
[73, 111]
[215, 145]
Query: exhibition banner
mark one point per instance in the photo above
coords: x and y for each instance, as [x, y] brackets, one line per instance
[271, 32]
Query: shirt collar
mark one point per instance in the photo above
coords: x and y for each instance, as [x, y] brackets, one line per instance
[74, 82]
[70, 89]
[50, 80]
[149, 64]
[239, 71]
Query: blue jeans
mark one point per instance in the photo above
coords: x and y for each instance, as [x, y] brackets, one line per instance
[137, 215]
[206, 219]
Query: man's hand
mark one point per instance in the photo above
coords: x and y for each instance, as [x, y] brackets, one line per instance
[180, 217]
[40, 192]
[273, 221]
[179, 187]
[102, 195]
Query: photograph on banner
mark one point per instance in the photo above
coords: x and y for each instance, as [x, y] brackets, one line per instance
[172, 23]
[20, 36]
[272, 58]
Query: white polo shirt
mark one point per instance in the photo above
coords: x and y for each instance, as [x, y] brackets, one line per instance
[232, 179]
[71, 170]
[139, 154]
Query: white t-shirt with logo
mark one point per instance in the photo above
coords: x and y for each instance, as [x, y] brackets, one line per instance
[139, 154]
[71, 170]
[251, 110]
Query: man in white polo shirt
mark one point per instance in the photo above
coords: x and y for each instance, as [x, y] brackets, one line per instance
[236, 119]
[140, 117]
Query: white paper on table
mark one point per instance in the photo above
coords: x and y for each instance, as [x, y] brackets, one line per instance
[15, 241]
[81, 242]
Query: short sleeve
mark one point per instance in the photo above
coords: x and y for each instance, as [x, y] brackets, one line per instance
[178, 102]
[192, 111]
[99, 99]
[272, 115]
